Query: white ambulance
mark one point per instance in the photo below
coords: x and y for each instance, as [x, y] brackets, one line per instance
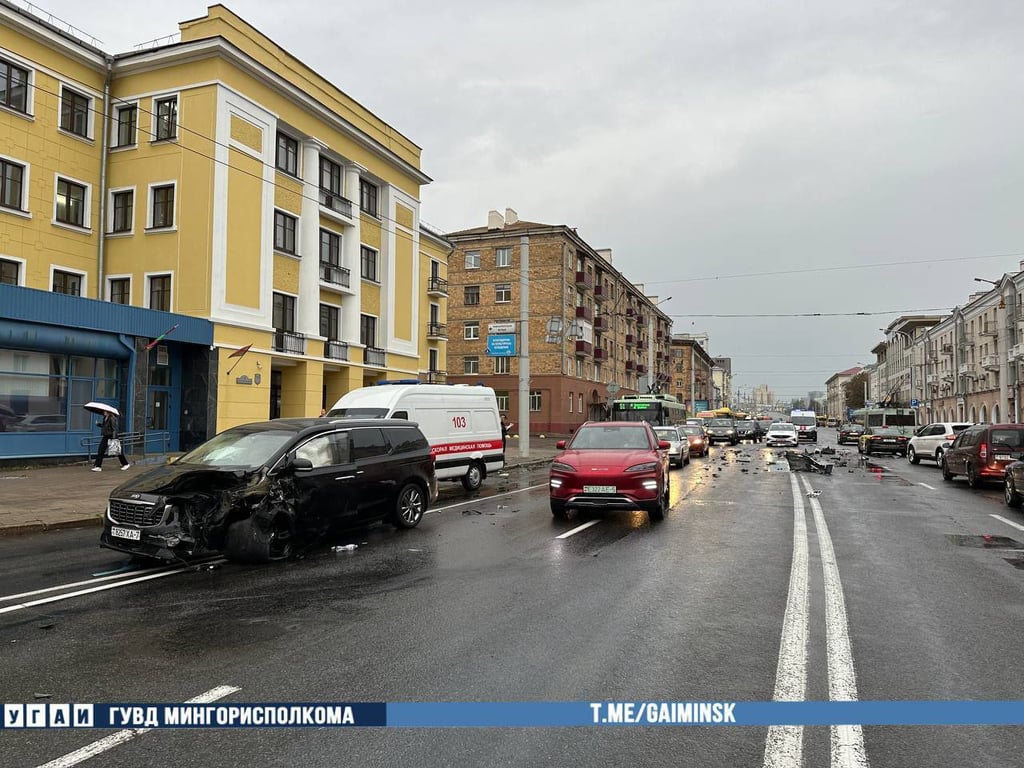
[460, 422]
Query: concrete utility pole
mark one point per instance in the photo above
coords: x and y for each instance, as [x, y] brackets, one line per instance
[524, 346]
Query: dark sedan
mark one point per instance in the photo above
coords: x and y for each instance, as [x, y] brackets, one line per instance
[883, 440]
[746, 429]
[850, 433]
[256, 491]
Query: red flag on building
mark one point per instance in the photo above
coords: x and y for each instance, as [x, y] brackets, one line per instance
[240, 352]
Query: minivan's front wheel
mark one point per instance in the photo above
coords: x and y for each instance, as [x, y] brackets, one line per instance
[249, 541]
[474, 477]
[972, 476]
[410, 506]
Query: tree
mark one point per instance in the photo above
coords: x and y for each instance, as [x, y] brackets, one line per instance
[854, 389]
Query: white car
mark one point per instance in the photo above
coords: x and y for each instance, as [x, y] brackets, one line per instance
[679, 445]
[931, 441]
[782, 433]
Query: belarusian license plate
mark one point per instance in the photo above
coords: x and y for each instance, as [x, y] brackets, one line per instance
[888, 440]
[599, 489]
[1004, 457]
[126, 533]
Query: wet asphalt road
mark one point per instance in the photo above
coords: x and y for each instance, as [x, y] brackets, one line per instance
[483, 602]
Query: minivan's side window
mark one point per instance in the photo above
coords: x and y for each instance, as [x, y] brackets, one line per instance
[318, 450]
[406, 440]
[367, 443]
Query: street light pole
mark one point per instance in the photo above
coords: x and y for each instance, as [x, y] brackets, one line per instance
[524, 347]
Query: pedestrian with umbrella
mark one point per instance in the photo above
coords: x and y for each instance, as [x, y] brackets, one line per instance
[108, 435]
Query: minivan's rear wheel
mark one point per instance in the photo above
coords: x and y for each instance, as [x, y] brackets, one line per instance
[251, 541]
[912, 456]
[1013, 498]
[410, 505]
[972, 476]
[474, 477]
[946, 474]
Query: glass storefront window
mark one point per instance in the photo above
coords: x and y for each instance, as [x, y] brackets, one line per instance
[83, 366]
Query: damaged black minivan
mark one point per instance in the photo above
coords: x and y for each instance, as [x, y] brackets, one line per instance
[259, 491]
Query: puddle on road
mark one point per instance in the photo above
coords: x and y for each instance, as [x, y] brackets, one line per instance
[883, 475]
[984, 542]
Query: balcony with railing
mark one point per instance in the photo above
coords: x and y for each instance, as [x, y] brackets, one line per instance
[290, 342]
[335, 274]
[965, 369]
[584, 348]
[601, 293]
[600, 354]
[630, 340]
[335, 350]
[630, 366]
[641, 368]
[641, 345]
[437, 331]
[584, 281]
[989, 328]
[335, 202]
[437, 377]
[990, 362]
[601, 323]
[585, 313]
[437, 286]
[375, 356]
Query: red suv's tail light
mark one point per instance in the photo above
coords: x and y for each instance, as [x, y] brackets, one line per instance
[983, 452]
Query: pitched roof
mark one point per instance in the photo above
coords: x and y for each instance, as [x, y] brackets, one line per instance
[851, 371]
[506, 228]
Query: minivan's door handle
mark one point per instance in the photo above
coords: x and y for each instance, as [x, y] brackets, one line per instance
[349, 477]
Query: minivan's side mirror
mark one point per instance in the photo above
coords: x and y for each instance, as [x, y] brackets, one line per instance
[299, 465]
[560, 445]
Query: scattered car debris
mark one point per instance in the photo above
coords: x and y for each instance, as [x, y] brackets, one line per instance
[49, 625]
[472, 512]
[345, 548]
[813, 494]
[805, 462]
[43, 695]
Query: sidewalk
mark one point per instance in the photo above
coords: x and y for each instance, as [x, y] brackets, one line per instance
[68, 496]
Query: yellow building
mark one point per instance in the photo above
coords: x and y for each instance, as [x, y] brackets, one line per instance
[221, 178]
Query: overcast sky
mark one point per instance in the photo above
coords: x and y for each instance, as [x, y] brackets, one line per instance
[699, 141]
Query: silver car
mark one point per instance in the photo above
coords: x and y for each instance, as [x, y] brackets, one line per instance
[679, 445]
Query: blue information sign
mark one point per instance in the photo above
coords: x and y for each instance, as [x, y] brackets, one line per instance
[501, 345]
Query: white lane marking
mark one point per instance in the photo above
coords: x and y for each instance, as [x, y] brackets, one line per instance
[784, 743]
[121, 737]
[480, 500]
[97, 580]
[847, 740]
[577, 529]
[101, 588]
[929, 487]
[1002, 519]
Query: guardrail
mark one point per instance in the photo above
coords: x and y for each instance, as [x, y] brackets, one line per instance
[133, 440]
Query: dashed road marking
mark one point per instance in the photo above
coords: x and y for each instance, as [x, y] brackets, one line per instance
[929, 487]
[577, 529]
[1002, 519]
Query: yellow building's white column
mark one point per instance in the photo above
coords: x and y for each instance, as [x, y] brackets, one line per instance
[350, 258]
[307, 320]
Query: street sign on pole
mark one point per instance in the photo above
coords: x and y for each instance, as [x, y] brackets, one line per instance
[498, 328]
[915, 403]
[501, 345]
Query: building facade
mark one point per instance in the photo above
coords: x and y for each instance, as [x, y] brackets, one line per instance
[691, 373]
[835, 392]
[592, 334]
[218, 178]
[721, 377]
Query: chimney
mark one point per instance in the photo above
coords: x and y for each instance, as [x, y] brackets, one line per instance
[1022, 266]
[606, 254]
[511, 217]
[494, 220]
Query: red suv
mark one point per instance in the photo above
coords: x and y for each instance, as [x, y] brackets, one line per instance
[983, 451]
[611, 465]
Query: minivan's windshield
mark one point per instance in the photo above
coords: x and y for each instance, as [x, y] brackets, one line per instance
[239, 449]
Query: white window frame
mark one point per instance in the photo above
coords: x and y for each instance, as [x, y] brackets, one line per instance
[109, 293]
[334, 306]
[149, 206]
[433, 360]
[502, 400]
[471, 330]
[572, 399]
[60, 268]
[295, 232]
[90, 112]
[87, 204]
[502, 364]
[21, 268]
[579, 400]
[472, 260]
[30, 96]
[497, 287]
[110, 211]
[507, 251]
[147, 278]
[475, 360]
[115, 108]
[154, 118]
[536, 397]
[23, 203]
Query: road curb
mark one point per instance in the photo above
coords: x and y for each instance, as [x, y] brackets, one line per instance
[41, 526]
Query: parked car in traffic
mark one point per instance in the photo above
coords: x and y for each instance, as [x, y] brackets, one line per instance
[611, 465]
[697, 437]
[932, 440]
[982, 452]
[746, 429]
[257, 491]
[722, 430]
[782, 434]
[850, 433]
[882, 440]
[678, 445]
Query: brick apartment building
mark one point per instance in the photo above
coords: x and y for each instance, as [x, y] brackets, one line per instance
[592, 333]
